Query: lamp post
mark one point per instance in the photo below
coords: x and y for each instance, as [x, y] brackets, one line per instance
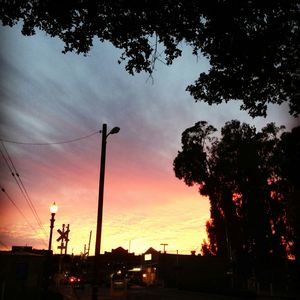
[100, 202]
[53, 211]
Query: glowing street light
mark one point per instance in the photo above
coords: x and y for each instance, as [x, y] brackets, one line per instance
[53, 208]
[53, 211]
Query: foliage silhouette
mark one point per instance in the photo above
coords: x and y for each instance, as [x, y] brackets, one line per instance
[290, 145]
[245, 173]
[252, 46]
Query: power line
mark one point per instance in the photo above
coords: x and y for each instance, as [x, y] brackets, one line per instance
[21, 186]
[21, 213]
[4, 245]
[15, 205]
[17, 178]
[50, 143]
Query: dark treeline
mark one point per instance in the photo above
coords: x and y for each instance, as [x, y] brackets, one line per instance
[251, 180]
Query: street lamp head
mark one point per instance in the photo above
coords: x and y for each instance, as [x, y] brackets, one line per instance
[53, 208]
[115, 130]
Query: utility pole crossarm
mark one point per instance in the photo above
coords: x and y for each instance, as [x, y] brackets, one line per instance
[164, 244]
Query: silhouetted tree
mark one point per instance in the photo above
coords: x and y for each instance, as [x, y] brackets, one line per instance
[252, 46]
[194, 165]
[290, 145]
[241, 173]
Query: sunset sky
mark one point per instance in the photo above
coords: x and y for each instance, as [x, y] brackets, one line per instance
[47, 96]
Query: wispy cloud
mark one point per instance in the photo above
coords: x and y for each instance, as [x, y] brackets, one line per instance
[47, 96]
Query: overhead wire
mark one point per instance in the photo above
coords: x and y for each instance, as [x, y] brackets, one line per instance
[21, 213]
[4, 245]
[16, 176]
[18, 209]
[50, 143]
[21, 186]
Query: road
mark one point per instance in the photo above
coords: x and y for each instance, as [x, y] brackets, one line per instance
[139, 293]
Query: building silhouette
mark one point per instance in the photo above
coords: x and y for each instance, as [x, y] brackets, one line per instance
[26, 272]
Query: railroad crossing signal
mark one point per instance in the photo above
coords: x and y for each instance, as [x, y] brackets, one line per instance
[63, 234]
[64, 237]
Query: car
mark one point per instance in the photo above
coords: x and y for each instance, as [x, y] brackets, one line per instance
[75, 281]
[118, 281]
[135, 278]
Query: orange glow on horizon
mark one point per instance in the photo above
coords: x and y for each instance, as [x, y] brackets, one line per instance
[139, 214]
[144, 204]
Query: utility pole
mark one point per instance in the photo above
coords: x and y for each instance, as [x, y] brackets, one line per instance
[100, 211]
[67, 238]
[100, 206]
[89, 246]
[101, 185]
[101, 191]
[163, 244]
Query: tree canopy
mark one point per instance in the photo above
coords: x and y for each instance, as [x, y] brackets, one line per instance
[252, 46]
[246, 175]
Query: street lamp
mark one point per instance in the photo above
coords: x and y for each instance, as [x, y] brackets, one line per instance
[101, 185]
[100, 201]
[53, 211]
